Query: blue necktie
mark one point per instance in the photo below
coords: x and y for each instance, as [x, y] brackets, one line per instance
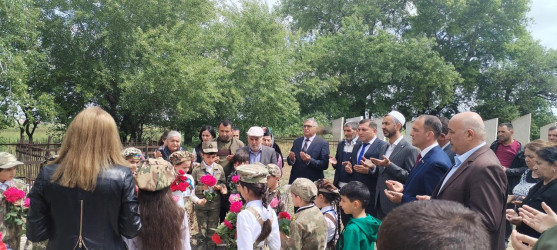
[362, 153]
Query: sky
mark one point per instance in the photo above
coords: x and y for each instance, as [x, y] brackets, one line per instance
[544, 23]
[543, 26]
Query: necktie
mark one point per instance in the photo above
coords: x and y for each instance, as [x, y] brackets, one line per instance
[418, 160]
[362, 152]
[305, 148]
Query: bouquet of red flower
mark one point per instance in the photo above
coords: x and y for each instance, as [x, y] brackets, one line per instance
[17, 207]
[225, 234]
[180, 183]
[209, 182]
[284, 220]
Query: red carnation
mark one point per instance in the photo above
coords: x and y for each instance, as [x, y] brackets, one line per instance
[13, 194]
[216, 239]
[236, 207]
[181, 172]
[182, 186]
[235, 179]
[208, 180]
[228, 224]
[284, 215]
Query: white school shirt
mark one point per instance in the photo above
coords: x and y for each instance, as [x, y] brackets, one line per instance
[331, 226]
[248, 228]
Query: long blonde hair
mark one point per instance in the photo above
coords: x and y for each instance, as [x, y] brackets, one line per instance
[91, 144]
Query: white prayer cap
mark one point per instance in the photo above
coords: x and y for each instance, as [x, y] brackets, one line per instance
[398, 116]
[255, 131]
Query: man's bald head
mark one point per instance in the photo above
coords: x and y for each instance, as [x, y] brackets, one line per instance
[466, 131]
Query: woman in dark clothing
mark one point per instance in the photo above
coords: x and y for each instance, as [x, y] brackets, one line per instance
[544, 191]
[206, 133]
[86, 198]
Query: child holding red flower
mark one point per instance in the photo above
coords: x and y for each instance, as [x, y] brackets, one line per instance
[183, 187]
[11, 197]
[257, 225]
[211, 184]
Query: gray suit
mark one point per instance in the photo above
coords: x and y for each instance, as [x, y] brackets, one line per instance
[449, 152]
[268, 154]
[402, 160]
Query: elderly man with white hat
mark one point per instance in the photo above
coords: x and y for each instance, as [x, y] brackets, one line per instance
[399, 157]
[256, 150]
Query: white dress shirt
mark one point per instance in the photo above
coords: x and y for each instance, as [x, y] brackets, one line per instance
[248, 228]
[392, 147]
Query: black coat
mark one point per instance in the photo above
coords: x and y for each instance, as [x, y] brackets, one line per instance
[109, 212]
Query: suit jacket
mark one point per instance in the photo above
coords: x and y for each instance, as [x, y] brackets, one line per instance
[425, 176]
[370, 180]
[450, 153]
[340, 172]
[313, 170]
[402, 160]
[481, 185]
[268, 154]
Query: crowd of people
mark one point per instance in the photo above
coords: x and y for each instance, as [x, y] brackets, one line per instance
[446, 189]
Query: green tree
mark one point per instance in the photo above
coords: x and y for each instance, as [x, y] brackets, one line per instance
[524, 82]
[22, 66]
[353, 71]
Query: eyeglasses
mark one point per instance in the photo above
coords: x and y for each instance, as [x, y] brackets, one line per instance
[308, 126]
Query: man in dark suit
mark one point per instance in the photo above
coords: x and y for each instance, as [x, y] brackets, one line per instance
[398, 159]
[432, 163]
[443, 140]
[257, 151]
[368, 147]
[477, 180]
[344, 153]
[309, 155]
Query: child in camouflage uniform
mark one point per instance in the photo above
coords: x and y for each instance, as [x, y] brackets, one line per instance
[308, 229]
[277, 197]
[208, 214]
[182, 160]
[132, 156]
[8, 164]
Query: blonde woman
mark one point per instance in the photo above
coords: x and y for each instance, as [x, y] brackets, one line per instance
[86, 198]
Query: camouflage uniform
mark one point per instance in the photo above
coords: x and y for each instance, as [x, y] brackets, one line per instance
[308, 229]
[278, 193]
[225, 149]
[10, 233]
[208, 214]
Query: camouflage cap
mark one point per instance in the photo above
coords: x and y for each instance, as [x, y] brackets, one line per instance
[132, 152]
[253, 173]
[154, 174]
[209, 147]
[304, 188]
[7, 160]
[178, 157]
[274, 170]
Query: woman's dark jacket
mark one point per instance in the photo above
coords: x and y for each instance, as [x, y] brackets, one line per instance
[539, 193]
[109, 212]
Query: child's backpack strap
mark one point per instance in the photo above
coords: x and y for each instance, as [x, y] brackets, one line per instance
[258, 218]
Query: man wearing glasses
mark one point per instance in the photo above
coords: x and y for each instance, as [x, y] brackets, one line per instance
[309, 155]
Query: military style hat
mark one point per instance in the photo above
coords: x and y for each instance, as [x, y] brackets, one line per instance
[154, 174]
[253, 173]
[274, 170]
[304, 188]
[132, 152]
[178, 157]
[209, 147]
[7, 160]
